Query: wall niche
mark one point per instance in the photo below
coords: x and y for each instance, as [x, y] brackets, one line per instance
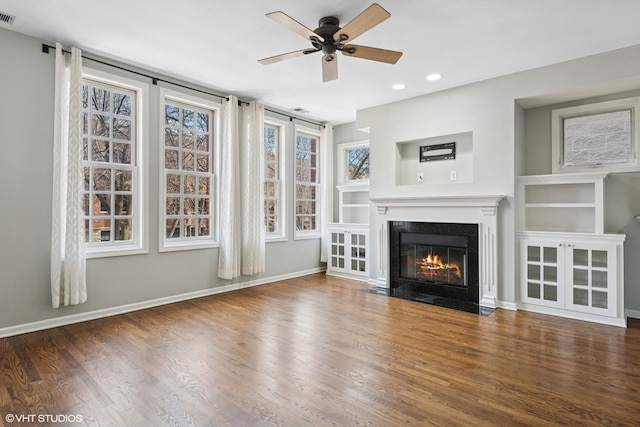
[411, 171]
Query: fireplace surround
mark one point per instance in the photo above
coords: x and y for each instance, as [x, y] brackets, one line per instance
[478, 211]
[435, 259]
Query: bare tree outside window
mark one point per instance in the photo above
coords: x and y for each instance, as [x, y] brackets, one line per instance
[306, 173]
[272, 179]
[357, 163]
[187, 163]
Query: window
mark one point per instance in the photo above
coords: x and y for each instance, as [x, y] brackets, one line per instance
[353, 163]
[601, 135]
[112, 131]
[188, 173]
[273, 184]
[307, 191]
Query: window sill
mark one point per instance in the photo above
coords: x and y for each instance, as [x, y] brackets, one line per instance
[187, 246]
[307, 236]
[107, 253]
[276, 239]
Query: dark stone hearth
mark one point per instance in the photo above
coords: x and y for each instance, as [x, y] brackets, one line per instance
[408, 294]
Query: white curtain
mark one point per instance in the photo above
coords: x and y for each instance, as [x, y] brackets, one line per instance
[326, 193]
[68, 260]
[252, 173]
[230, 234]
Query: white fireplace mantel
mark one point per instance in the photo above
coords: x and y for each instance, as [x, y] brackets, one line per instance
[487, 204]
[481, 210]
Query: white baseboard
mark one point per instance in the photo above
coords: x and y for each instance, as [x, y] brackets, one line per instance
[112, 311]
[634, 314]
[348, 276]
[588, 317]
[507, 305]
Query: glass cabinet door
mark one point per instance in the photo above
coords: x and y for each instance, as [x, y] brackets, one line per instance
[591, 278]
[348, 251]
[543, 272]
[338, 250]
[358, 252]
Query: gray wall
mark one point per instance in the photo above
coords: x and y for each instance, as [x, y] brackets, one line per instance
[507, 117]
[26, 126]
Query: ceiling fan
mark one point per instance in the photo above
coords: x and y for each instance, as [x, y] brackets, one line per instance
[330, 38]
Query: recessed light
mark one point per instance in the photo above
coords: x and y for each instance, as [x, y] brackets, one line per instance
[434, 77]
[398, 86]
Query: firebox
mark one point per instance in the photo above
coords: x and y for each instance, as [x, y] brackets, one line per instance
[434, 260]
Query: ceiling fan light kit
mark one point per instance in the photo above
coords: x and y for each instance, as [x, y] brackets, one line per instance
[330, 38]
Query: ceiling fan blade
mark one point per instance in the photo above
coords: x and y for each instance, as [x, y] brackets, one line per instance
[372, 53]
[282, 57]
[369, 18]
[287, 21]
[329, 67]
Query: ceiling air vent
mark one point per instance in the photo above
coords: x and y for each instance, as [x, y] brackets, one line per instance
[6, 18]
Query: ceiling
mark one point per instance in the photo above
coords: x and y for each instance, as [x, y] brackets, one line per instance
[217, 43]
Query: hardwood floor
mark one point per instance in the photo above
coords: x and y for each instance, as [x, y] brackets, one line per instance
[320, 350]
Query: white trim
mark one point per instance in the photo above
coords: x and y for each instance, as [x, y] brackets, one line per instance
[568, 314]
[507, 305]
[317, 233]
[634, 314]
[141, 178]
[348, 276]
[557, 136]
[342, 163]
[128, 308]
[490, 202]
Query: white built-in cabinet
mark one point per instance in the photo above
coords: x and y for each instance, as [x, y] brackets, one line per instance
[568, 266]
[348, 239]
[348, 253]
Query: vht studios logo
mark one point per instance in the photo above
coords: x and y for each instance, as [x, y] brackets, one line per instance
[43, 418]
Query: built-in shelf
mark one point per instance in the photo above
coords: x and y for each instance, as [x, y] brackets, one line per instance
[353, 200]
[562, 202]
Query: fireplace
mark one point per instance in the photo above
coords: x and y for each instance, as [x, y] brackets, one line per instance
[480, 213]
[434, 261]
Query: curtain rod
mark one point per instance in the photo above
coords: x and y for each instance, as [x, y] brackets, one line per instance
[155, 80]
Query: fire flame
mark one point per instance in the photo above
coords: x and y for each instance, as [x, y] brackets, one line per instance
[433, 262]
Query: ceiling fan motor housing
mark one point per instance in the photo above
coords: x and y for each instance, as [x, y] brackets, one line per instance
[327, 27]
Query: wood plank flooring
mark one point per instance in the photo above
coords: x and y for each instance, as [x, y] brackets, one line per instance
[320, 350]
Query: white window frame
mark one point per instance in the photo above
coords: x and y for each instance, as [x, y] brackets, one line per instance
[343, 163]
[140, 180]
[557, 135]
[281, 234]
[317, 233]
[168, 245]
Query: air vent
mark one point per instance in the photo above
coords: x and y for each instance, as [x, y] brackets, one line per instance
[6, 18]
[300, 110]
